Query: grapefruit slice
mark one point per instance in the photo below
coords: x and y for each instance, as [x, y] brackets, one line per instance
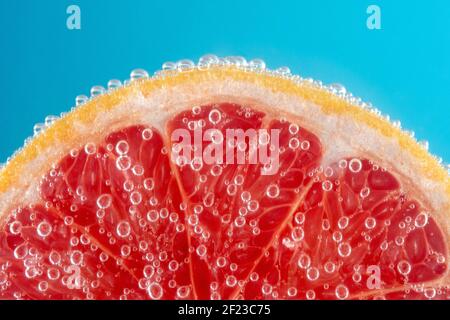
[102, 204]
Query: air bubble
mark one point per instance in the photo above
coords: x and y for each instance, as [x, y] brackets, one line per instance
[312, 274]
[149, 184]
[147, 134]
[292, 291]
[257, 64]
[215, 116]
[135, 198]
[81, 99]
[97, 90]
[114, 84]
[304, 261]
[123, 229]
[429, 293]
[125, 250]
[173, 265]
[246, 196]
[329, 267]
[253, 205]
[337, 236]
[185, 65]
[221, 262]
[201, 250]
[44, 229]
[254, 276]
[148, 271]
[299, 218]
[310, 295]
[370, 223]
[122, 147]
[341, 292]
[169, 66]
[342, 164]
[90, 148]
[338, 89]
[297, 234]
[343, 222]
[123, 163]
[208, 200]
[404, 267]
[355, 165]
[43, 286]
[305, 145]
[294, 143]
[344, 249]
[266, 289]
[155, 291]
[53, 274]
[15, 227]
[138, 74]
[273, 191]
[54, 257]
[76, 257]
[421, 220]
[196, 164]
[231, 281]
[364, 193]
[21, 251]
[138, 170]
[104, 201]
[327, 185]
[183, 292]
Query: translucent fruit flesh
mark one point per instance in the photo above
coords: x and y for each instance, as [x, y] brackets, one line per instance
[120, 220]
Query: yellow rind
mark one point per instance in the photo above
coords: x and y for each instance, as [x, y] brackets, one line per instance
[329, 103]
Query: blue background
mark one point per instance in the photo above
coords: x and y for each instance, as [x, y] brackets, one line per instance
[402, 69]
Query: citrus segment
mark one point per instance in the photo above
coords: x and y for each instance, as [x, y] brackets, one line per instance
[234, 210]
[351, 246]
[115, 206]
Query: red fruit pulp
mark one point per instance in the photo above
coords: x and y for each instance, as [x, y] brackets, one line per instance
[120, 220]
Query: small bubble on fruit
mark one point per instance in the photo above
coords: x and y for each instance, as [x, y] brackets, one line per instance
[421, 220]
[304, 261]
[327, 185]
[15, 227]
[215, 116]
[370, 223]
[231, 281]
[344, 249]
[305, 145]
[123, 163]
[147, 134]
[122, 147]
[273, 191]
[201, 250]
[297, 234]
[123, 229]
[404, 267]
[341, 292]
[312, 274]
[155, 291]
[355, 165]
[44, 229]
[104, 201]
[90, 148]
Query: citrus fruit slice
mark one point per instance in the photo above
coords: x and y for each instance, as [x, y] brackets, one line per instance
[223, 180]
